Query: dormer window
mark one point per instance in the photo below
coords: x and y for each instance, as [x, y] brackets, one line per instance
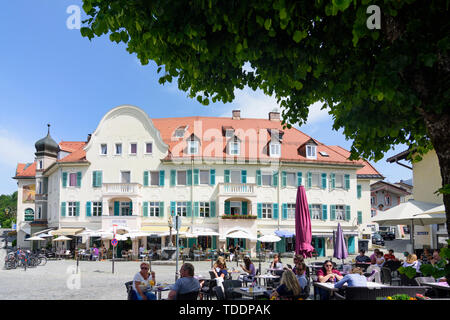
[179, 132]
[192, 147]
[275, 149]
[311, 151]
[229, 133]
[235, 148]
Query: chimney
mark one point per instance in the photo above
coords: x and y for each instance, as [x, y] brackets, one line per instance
[236, 115]
[89, 137]
[274, 115]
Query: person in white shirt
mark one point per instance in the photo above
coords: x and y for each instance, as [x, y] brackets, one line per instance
[143, 282]
[411, 261]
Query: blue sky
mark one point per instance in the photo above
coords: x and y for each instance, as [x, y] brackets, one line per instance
[50, 74]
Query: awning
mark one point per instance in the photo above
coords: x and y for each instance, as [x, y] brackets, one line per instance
[66, 231]
[155, 229]
[42, 231]
[181, 231]
[350, 233]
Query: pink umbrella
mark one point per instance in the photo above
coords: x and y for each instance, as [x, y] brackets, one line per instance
[303, 234]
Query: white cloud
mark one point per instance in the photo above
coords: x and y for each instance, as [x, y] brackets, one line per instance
[255, 104]
[14, 149]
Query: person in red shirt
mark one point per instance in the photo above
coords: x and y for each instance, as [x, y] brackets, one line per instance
[390, 256]
[327, 274]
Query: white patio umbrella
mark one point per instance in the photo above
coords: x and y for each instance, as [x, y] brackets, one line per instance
[137, 234]
[433, 216]
[240, 234]
[404, 214]
[109, 236]
[35, 238]
[269, 238]
[62, 238]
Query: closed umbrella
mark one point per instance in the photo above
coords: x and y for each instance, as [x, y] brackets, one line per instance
[303, 234]
[340, 249]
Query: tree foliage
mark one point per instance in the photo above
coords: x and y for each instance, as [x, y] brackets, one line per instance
[8, 202]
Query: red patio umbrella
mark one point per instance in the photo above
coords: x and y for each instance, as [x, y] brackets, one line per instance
[303, 234]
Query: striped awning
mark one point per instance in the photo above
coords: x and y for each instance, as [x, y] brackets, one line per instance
[66, 231]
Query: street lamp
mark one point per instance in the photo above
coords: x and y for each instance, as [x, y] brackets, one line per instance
[170, 222]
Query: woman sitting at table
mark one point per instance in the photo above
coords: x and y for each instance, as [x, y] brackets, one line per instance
[354, 279]
[289, 286]
[220, 268]
[276, 263]
[143, 282]
[249, 268]
[327, 274]
[411, 261]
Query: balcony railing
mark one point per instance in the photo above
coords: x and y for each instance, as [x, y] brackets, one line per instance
[237, 188]
[121, 188]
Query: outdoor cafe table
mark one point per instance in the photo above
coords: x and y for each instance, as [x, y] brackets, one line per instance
[158, 289]
[266, 277]
[329, 286]
[438, 285]
[257, 291]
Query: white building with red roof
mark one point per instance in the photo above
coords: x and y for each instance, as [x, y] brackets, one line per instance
[224, 176]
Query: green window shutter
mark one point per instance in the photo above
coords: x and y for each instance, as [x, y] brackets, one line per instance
[196, 177]
[227, 207]
[145, 178]
[333, 181]
[212, 177]
[244, 208]
[258, 177]
[212, 209]
[63, 209]
[131, 208]
[244, 176]
[324, 212]
[196, 209]
[77, 208]
[347, 213]
[309, 183]
[173, 211]
[275, 211]
[359, 217]
[189, 209]
[99, 178]
[259, 207]
[173, 177]
[78, 179]
[358, 191]
[214, 243]
[116, 208]
[333, 212]
[88, 209]
[324, 180]
[64, 179]
[310, 210]
[347, 181]
[145, 208]
[227, 176]
[275, 178]
[162, 176]
[299, 179]
[284, 211]
[161, 208]
[189, 177]
[283, 179]
[94, 179]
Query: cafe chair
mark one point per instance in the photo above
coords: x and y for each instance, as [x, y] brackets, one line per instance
[229, 285]
[219, 293]
[131, 294]
[191, 296]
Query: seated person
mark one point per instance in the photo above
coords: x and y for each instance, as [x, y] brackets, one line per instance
[249, 268]
[276, 263]
[426, 256]
[300, 269]
[435, 258]
[143, 282]
[220, 268]
[390, 256]
[373, 257]
[411, 261]
[353, 279]
[298, 258]
[327, 274]
[379, 262]
[362, 258]
[289, 286]
[186, 284]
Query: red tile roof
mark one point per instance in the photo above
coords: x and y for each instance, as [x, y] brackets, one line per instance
[76, 150]
[71, 146]
[26, 170]
[368, 169]
[213, 142]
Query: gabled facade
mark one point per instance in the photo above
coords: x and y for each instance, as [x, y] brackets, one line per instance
[135, 172]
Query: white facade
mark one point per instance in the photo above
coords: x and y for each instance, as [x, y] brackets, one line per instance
[73, 206]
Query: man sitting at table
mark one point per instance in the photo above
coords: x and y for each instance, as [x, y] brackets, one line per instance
[362, 258]
[186, 284]
[390, 256]
[353, 279]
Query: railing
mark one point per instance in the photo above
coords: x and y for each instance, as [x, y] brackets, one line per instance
[121, 188]
[41, 197]
[236, 188]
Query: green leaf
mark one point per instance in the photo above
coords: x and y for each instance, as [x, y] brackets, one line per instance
[283, 14]
[268, 23]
